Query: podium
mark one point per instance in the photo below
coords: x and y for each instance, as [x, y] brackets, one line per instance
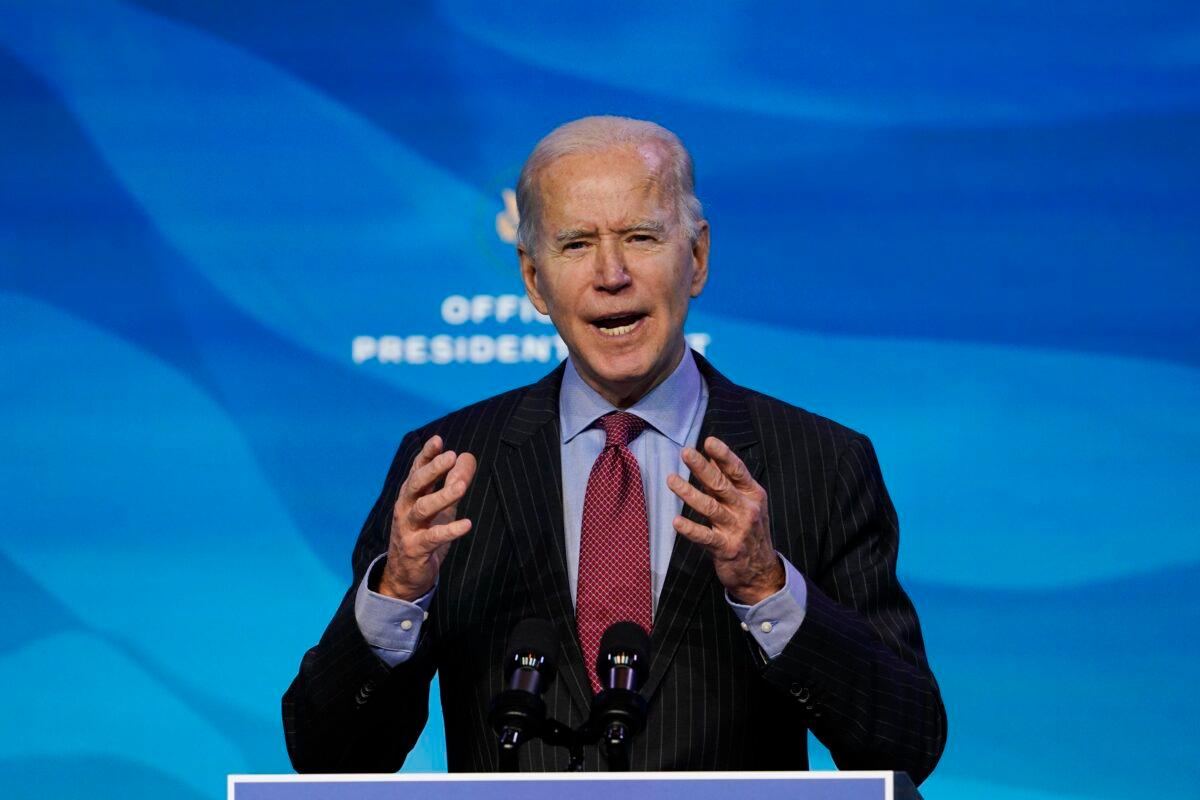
[578, 786]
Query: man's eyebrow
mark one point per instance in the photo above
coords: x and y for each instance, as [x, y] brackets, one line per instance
[645, 225]
[568, 234]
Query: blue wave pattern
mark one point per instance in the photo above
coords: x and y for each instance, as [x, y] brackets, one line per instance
[970, 233]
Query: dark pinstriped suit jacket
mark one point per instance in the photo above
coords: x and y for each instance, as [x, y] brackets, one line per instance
[855, 672]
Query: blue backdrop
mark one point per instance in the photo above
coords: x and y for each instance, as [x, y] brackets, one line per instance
[245, 246]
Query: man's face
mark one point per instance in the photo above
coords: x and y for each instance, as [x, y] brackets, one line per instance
[615, 269]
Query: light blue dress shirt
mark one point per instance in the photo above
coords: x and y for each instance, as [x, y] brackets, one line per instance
[674, 411]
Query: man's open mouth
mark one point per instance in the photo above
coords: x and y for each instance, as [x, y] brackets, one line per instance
[618, 325]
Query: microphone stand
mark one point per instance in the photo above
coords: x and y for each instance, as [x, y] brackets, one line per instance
[557, 734]
[619, 712]
[518, 713]
[617, 715]
[509, 749]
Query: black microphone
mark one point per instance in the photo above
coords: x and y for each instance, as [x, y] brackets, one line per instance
[530, 665]
[619, 711]
[624, 656]
[518, 712]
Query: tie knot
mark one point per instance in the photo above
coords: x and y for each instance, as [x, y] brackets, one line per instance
[621, 428]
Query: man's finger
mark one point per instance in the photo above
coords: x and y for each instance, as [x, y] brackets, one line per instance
[439, 535]
[428, 506]
[729, 463]
[702, 535]
[432, 446]
[463, 469]
[707, 473]
[420, 480]
[704, 504]
[429, 451]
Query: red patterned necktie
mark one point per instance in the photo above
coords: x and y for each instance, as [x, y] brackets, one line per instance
[614, 546]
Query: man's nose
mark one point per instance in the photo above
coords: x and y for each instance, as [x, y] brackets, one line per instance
[611, 274]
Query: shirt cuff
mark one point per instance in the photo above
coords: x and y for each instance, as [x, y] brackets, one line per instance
[391, 626]
[774, 620]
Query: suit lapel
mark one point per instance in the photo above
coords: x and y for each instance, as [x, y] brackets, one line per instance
[529, 482]
[727, 417]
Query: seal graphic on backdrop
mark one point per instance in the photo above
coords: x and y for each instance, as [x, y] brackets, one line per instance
[507, 220]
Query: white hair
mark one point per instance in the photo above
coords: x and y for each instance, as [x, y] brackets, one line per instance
[592, 134]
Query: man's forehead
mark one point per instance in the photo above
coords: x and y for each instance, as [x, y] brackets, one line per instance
[625, 182]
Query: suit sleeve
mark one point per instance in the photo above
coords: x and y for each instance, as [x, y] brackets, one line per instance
[857, 663]
[347, 711]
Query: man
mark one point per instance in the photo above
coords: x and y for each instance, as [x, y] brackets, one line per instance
[767, 580]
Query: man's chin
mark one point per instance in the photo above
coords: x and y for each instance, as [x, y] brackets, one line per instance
[627, 383]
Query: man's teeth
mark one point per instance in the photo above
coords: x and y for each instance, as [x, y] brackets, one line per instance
[618, 330]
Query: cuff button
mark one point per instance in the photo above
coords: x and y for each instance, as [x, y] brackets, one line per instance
[406, 625]
[766, 627]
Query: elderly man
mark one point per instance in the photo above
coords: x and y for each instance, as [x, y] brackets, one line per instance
[754, 540]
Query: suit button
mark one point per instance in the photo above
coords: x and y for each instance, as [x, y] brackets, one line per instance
[364, 692]
[801, 693]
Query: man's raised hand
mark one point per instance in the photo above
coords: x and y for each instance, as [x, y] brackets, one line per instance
[738, 536]
[423, 520]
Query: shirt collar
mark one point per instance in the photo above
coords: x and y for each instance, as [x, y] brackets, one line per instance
[669, 408]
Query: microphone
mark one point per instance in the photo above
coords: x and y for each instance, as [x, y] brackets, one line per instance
[623, 657]
[518, 712]
[619, 712]
[530, 665]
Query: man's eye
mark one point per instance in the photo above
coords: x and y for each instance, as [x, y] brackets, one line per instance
[641, 237]
[574, 245]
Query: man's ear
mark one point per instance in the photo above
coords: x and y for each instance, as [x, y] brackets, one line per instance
[700, 259]
[529, 276]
